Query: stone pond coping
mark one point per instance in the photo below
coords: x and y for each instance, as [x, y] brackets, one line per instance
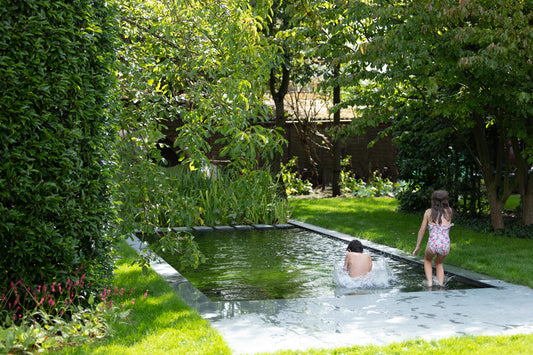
[228, 228]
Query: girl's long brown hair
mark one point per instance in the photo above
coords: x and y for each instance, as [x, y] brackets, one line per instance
[440, 207]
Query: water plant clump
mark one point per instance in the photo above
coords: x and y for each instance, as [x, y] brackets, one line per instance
[155, 197]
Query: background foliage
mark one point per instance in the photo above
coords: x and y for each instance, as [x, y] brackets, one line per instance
[460, 63]
[201, 68]
[56, 130]
[430, 157]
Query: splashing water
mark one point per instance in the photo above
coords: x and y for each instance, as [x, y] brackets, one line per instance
[380, 277]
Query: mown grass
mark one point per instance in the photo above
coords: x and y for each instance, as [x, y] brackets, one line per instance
[377, 220]
[164, 324]
[514, 344]
[161, 323]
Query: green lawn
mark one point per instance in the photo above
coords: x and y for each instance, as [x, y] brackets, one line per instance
[163, 323]
[377, 220]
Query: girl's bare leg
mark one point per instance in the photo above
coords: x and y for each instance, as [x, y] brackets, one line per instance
[440, 269]
[428, 269]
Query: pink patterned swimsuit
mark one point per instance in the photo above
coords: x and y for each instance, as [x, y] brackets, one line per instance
[439, 239]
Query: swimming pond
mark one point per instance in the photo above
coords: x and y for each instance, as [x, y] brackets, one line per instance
[294, 263]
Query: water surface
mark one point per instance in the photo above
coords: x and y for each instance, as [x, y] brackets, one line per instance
[294, 263]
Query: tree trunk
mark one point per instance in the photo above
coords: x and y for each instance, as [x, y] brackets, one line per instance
[279, 97]
[496, 170]
[527, 209]
[337, 142]
[525, 183]
[496, 209]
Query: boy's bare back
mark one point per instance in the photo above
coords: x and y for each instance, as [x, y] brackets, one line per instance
[358, 264]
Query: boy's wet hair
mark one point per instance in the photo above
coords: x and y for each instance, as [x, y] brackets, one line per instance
[355, 246]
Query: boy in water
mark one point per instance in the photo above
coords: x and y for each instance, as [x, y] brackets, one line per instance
[355, 262]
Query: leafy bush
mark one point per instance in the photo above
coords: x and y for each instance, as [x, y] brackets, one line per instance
[294, 184]
[432, 157]
[56, 134]
[375, 187]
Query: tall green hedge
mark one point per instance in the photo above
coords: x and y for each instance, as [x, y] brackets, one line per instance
[56, 136]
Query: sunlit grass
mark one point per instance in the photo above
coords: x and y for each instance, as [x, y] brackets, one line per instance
[513, 202]
[161, 323]
[377, 220]
[515, 344]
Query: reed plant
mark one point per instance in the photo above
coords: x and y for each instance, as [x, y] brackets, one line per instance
[154, 197]
[224, 197]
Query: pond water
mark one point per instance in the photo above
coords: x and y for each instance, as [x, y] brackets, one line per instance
[293, 263]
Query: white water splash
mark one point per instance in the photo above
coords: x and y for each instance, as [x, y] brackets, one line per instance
[380, 277]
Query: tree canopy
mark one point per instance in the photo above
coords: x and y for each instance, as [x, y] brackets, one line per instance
[466, 63]
[203, 65]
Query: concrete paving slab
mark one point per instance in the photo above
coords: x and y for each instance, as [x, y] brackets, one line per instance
[181, 229]
[202, 229]
[243, 227]
[360, 319]
[284, 226]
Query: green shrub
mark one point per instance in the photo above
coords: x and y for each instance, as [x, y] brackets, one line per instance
[377, 185]
[56, 134]
[294, 184]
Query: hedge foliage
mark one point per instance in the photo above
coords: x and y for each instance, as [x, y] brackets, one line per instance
[56, 132]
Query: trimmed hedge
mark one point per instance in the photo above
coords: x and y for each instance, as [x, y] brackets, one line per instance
[56, 133]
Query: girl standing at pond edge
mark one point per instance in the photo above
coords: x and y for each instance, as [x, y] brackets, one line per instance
[438, 220]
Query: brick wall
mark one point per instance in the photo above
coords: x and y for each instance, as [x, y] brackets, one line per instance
[381, 156]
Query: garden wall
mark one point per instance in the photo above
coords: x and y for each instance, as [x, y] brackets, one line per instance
[382, 156]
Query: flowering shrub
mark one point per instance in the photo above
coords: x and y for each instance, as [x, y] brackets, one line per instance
[52, 315]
